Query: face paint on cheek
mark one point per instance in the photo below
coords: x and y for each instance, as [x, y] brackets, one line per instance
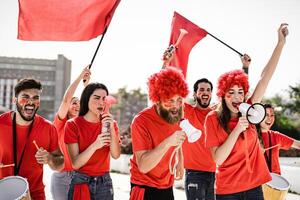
[23, 102]
[228, 96]
[37, 104]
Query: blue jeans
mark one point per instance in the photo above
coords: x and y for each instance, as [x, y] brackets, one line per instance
[60, 184]
[199, 185]
[252, 194]
[100, 187]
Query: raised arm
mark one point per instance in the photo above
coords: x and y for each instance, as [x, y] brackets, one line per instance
[64, 106]
[269, 69]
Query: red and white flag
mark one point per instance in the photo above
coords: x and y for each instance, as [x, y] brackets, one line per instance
[64, 20]
[194, 35]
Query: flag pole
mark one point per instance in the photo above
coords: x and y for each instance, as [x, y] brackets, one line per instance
[225, 44]
[103, 34]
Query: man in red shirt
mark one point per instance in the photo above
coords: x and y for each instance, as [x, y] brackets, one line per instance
[19, 129]
[155, 133]
[273, 141]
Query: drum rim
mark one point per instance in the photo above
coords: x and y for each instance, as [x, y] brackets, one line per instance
[281, 177]
[24, 194]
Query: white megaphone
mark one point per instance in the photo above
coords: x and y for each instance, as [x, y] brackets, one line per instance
[254, 113]
[192, 133]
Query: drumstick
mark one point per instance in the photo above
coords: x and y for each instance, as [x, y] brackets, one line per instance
[9, 165]
[272, 147]
[34, 142]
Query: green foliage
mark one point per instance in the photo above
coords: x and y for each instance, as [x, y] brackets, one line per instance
[128, 105]
[294, 104]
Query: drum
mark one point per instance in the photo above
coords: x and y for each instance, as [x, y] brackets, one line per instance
[14, 188]
[276, 189]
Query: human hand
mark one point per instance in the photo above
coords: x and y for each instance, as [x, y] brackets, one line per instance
[42, 156]
[282, 33]
[102, 140]
[107, 118]
[177, 138]
[246, 60]
[242, 124]
[168, 55]
[86, 75]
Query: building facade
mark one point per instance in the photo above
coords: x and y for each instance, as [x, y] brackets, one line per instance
[54, 75]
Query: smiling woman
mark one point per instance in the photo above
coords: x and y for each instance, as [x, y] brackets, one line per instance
[232, 140]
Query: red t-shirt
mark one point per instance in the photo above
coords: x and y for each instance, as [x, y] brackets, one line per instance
[45, 135]
[284, 142]
[196, 155]
[245, 168]
[78, 130]
[148, 130]
[60, 127]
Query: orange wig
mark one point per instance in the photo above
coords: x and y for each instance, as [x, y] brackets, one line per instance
[231, 78]
[166, 84]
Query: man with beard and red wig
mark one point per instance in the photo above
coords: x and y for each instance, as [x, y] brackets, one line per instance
[19, 130]
[155, 135]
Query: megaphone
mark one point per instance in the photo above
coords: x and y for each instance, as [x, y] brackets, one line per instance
[192, 133]
[254, 113]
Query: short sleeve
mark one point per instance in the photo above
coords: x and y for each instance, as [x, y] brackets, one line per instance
[211, 131]
[284, 141]
[71, 133]
[59, 123]
[141, 139]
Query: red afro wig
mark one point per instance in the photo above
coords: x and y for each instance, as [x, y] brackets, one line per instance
[166, 84]
[229, 79]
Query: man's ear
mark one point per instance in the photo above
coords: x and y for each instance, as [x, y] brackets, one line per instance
[14, 100]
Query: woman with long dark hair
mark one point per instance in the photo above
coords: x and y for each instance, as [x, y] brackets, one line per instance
[91, 139]
[232, 140]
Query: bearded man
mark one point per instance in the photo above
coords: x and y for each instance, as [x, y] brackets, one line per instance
[28, 140]
[155, 134]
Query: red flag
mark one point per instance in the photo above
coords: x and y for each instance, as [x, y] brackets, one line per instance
[64, 20]
[195, 34]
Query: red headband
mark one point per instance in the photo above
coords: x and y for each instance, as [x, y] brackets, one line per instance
[229, 79]
[166, 84]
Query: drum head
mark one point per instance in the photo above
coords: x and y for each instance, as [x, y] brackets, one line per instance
[278, 182]
[13, 187]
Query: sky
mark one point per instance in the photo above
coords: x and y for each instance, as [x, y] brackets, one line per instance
[140, 30]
